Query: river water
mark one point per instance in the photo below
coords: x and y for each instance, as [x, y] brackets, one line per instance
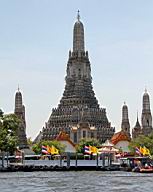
[79, 181]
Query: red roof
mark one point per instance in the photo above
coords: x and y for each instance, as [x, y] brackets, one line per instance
[62, 136]
[119, 136]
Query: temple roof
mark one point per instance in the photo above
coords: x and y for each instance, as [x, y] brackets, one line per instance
[62, 136]
[119, 136]
[137, 125]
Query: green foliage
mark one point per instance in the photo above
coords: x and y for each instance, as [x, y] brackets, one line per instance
[87, 142]
[37, 147]
[8, 132]
[142, 140]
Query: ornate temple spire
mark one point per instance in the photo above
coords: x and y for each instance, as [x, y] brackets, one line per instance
[137, 122]
[20, 112]
[78, 104]
[125, 112]
[146, 101]
[125, 125]
[18, 101]
[78, 35]
[146, 117]
[136, 131]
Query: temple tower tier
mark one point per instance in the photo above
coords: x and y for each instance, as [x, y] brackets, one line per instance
[78, 113]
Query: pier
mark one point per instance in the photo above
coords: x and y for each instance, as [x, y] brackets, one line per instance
[102, 163]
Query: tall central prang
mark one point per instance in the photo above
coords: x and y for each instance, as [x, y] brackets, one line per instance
[78, 113]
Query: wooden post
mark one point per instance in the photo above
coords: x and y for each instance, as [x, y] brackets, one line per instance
[103, 159]
[7, 159]
[22, 159]
[108, 159]
[76, 159]
[3, 156]
[97, 160]
[111, 158]
[68, 160]
[60, 160]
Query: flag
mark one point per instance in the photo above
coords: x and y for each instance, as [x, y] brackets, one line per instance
[93, 149]
[137, 150]
[54, 150]
[44, 150]
[142, 150]
[87, 150]
[48, 149]
[146, 151]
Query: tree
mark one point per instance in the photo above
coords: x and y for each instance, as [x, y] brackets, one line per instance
[9, 124]
[87, 142]
[37, 147]
[142, 140]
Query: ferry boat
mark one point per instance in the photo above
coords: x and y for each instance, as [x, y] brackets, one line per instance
[137, 164]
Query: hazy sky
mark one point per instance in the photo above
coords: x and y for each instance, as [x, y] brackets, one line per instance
[36, 35]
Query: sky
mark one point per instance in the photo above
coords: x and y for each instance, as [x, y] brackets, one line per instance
[36, 36]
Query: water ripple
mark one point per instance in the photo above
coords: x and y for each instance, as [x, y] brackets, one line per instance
[83, 181]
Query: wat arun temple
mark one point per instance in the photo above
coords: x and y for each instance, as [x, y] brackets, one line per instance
[78, 113]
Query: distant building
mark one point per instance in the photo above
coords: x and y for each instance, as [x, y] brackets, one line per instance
[20, 113]
[146, 119]
[78, 113]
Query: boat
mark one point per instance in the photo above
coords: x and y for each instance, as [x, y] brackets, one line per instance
[137, 164]
[146, 170]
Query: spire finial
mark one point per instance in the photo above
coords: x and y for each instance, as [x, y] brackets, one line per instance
[124, 103]
[18, 88]
[78, 35]
[137, 115]
[78, 16]
[145, 89]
